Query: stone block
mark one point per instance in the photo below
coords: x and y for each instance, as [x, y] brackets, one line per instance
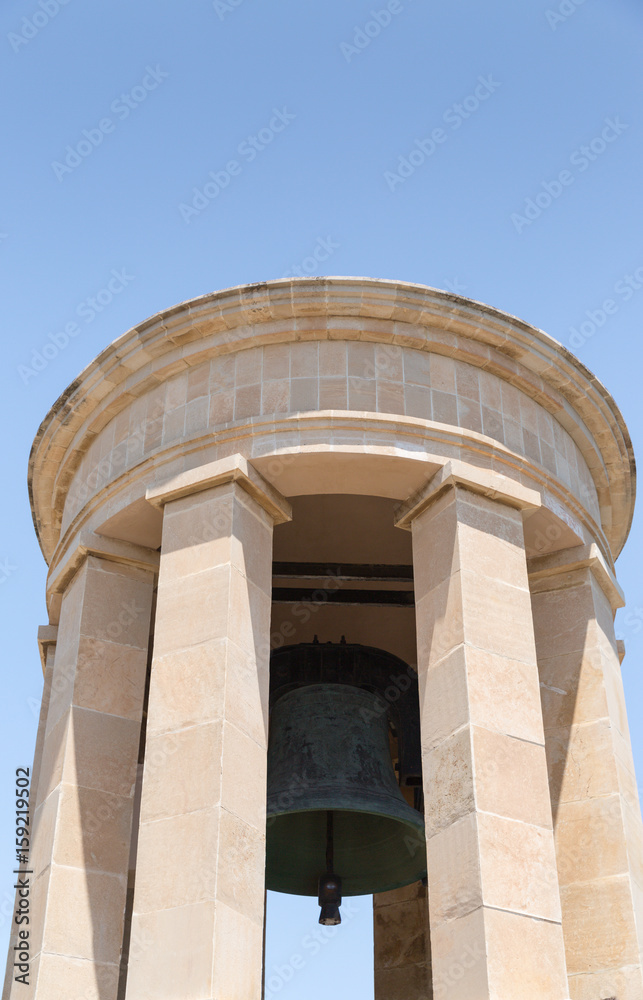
[94, 830]
[445, 697]
[187, 687]
[439, 617]
[110, 678]
[415, 890]
[435, 536]
[572, 688]
[177, 861]
[238, 944]
[400, 934]
[459, 956]
[332, 358]
[411, 981]
[243, 777]
[102, 752]
[171, 954]
[241, 867]
[276, 361]
[511, 778]
[182, 772]
[503, 695]
[453, 860]
[116, 605]
[85, 914]
[497, 617]
[581, 762]
[526, 957]
[44, 821]
[598, 924]
[449, 789]
[197, 537]
[589, 840]
[560, 619]
[246, 693]
[518, 867]
[249, 616]
[195, 612]
[275, 396]
[620, 984]
[59, 978]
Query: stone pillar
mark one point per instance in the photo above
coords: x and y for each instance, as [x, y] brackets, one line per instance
[83, 805]
[401, 944]
[494, 905]
[597, 819]
[47, 637]
[197, 926]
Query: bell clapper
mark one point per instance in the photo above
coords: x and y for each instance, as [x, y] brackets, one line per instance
[330, 885]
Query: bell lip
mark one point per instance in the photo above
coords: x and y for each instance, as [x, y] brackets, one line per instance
[389, 887]
[381, 887]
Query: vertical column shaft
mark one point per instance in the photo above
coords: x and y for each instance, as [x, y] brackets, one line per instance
[401, 944]
[597, 820]
[83, 806]
[49, 652]
[197, 926]
[493, 890]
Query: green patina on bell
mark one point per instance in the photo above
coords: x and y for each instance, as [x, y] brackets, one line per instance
[329, 754]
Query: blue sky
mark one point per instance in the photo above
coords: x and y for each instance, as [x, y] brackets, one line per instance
[490, 149]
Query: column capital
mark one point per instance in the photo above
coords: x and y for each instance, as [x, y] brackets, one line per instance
[233, 469]
[87, 543]
[47, 636]
[551, 572]
[485, 482]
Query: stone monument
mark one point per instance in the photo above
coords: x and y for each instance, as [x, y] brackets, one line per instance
[289, 463]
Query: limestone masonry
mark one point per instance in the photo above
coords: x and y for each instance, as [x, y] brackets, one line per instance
[310, 459]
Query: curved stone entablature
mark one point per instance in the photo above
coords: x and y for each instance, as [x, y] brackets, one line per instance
[290, 372]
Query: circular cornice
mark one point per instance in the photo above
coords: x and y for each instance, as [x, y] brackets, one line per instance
[249, 315]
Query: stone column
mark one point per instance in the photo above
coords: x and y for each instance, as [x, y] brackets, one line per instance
[494, 907]
[597, 819]
[47, 637]
[402, 945]
[83, 805]
[197, 927]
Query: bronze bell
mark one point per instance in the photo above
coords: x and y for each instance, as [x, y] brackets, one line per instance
[337, 820]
